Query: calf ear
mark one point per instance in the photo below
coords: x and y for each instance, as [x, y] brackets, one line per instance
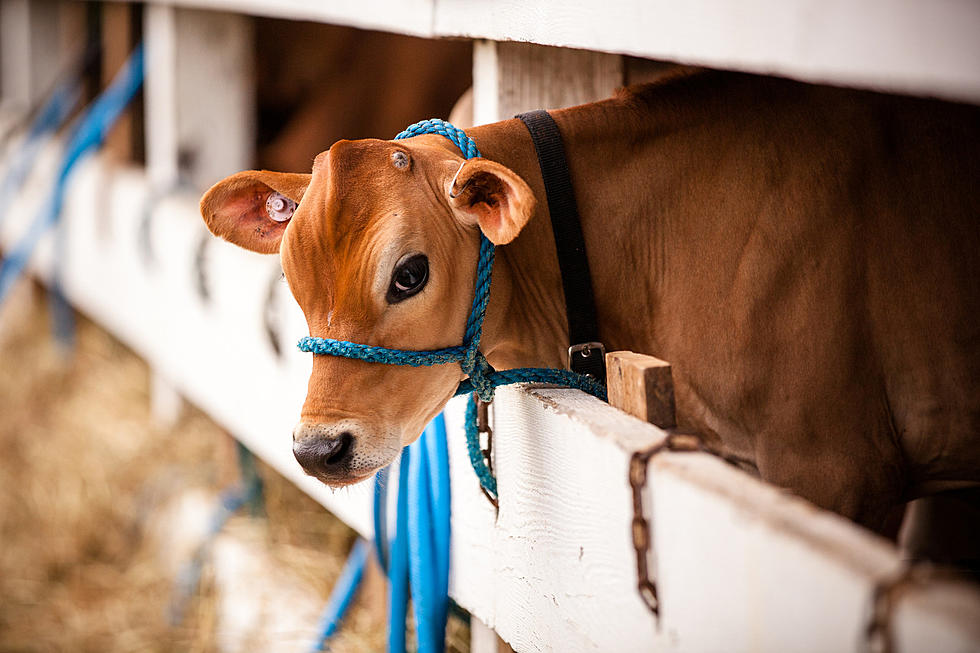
[236, 208]
[492, 196]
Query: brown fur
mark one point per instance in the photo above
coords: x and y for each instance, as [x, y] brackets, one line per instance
[806, 258]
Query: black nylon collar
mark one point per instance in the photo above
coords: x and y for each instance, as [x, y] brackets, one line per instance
[586, 355]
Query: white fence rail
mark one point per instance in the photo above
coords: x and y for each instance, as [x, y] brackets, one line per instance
[740, 566]
[900, 45]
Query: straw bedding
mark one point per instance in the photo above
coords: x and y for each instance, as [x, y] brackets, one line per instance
[82, 465]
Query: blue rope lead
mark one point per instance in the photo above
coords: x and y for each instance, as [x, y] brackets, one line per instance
[88, 135]
[342, 594]
[54, 112]
[428, 544]
[381, 517]
[483, 379]
[398, 564]
[418, 552]
[247, 492]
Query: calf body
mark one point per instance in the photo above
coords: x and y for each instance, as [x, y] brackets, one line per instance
[805, 257]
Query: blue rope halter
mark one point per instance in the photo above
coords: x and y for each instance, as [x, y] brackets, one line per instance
[483, 378]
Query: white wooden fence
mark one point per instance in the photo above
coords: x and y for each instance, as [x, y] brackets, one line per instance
[740, 566]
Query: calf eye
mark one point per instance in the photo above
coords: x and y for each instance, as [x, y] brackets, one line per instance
[409, 277]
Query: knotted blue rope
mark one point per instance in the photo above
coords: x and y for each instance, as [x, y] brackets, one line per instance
[483, 378]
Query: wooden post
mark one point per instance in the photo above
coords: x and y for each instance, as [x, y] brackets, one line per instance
[118, 40]
[641, 386]
[29, 53]
[200, 106]
[483, 639]
[509, 78]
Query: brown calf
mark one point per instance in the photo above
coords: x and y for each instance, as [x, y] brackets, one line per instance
[807, 258]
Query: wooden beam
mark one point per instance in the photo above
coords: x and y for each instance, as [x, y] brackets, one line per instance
[509, 78]
[483, 639]
[642, 386]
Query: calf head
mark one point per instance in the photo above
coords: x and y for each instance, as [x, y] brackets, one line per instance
[379, 246]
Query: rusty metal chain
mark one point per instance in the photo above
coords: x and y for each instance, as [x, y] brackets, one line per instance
[483, 426]
[639, 463]
[879, 635]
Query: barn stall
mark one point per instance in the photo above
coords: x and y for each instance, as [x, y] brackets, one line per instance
[737, 565]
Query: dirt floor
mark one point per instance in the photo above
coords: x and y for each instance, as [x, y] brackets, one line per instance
[81, 469]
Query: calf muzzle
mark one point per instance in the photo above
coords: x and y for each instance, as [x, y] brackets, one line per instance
[327, 458]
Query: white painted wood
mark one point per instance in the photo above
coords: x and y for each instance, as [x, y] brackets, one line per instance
[923, 48]
[30, 56]
[510, 78]
[900, 45]
[215, 94]
[482, 638]
[160, 93]
[200, 107]
[554, 571]
[938, 616]
[774, 572]
[405, 16]
[259, 604]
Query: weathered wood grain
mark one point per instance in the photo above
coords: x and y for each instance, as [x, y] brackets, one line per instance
[641, 386]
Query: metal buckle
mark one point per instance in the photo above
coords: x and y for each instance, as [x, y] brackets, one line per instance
[588, 358]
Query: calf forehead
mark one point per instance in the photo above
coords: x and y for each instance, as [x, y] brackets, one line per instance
[358, 205]
[358, 170]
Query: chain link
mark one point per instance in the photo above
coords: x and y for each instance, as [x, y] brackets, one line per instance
[879, 635]
[639, 462]
[483, 426]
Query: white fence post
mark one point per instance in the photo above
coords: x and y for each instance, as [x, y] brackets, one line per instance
[29, 56]
[200, 109]
[509, 78]
[200, 114]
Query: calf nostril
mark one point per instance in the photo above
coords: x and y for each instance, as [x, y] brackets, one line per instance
[344, 443]
[319, 455]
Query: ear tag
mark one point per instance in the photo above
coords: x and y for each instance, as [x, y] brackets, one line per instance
[279, 207]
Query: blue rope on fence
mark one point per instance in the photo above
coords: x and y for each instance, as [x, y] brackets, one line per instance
[52, 114]
[88, 134]
[398, 563]
[247, 492]
[416, 556]
[342, 594]
[428, 541]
